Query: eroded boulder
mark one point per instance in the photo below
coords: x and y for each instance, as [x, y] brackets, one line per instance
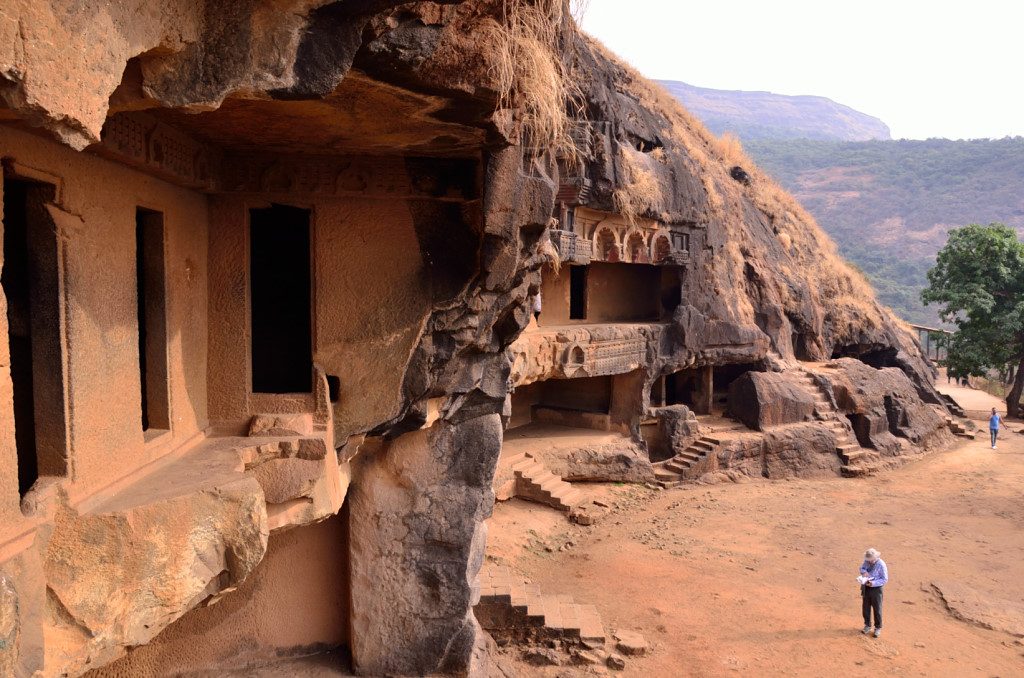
[121, 573]
[417, 534]
[765, 399]
[885, 407]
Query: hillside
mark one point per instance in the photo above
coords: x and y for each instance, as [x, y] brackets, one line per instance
[764, 115]
[890, 204]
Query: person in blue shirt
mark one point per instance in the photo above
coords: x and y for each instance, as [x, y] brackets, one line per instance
[995, 422]
[875, 575]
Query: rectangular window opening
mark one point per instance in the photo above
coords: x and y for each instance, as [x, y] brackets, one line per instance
[31, 284]
[280, 274]
[577, 292]
[151, 286]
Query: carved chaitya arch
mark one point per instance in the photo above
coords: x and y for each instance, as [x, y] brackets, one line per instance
[636, 247]
[606, 245]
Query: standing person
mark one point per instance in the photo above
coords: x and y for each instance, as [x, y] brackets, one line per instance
[873, 576]
[536, 307]
[995, 422]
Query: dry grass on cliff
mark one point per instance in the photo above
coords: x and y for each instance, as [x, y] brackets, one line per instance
[639, 190]
[532, 78]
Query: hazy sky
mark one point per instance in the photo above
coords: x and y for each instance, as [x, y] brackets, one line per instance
[927, 69]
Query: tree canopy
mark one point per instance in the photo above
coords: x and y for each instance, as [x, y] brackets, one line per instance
[978, 281]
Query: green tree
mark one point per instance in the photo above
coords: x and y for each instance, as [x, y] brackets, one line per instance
[978, 279]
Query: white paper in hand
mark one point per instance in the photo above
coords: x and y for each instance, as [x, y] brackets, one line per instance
[862, 580]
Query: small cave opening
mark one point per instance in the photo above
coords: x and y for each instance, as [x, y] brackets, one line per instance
[575, 403]
[861, 429]
[800, 351]
[877, 357]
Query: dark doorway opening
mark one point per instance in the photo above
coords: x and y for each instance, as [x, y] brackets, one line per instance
[31, 284]
[281, 300]
[671, 291]
[151, 286]
[679, 387]
[577, 292]
[800, 351]
[877, 357]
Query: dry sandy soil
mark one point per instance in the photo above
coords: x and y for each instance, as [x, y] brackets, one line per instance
[759, 578]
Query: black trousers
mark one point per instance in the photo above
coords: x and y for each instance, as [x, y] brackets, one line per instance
[872, 600]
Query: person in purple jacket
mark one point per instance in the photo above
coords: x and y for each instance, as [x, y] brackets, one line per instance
[874, 575]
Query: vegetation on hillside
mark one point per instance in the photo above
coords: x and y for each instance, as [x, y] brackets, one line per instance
[889, 205]
[978, 285]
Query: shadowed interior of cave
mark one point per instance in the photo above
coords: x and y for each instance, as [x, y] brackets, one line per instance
[31, 285]
[281, 304]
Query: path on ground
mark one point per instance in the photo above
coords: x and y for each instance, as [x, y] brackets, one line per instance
[758, 578]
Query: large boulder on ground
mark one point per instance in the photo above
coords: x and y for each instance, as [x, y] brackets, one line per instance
[623, 461]
[764, 399]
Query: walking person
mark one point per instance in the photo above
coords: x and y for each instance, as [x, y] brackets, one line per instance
[995, 422]
[873, 576]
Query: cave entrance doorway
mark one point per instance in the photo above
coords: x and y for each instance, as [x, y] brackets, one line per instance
[578, 292]
[800, 348]
[33, 289]
[676, 388]
[151, 298]
[671, 290]
[280, 274]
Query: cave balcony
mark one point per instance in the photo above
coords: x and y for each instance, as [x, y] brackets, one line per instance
[572, 248]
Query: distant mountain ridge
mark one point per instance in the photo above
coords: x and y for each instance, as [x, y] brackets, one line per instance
[764, 115]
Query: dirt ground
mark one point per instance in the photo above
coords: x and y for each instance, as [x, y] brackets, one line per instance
[758, 578]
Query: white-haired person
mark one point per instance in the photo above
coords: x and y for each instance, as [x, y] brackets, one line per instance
[873, 576]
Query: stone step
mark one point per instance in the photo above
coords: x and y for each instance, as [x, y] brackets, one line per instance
[557, 616]
[535, 482]
[665, 475]
[858, 469]
[678, 467]
[514, 459]
[571, 498]
[528, 467]
[703, 445]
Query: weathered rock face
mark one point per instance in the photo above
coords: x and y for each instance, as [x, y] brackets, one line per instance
[410, 132]
[417, 527]
[764, 399]
[624, 462]
[884, 407]
[805, 450]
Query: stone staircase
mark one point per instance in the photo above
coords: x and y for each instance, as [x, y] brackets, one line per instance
[953, 405]
[535, 482]
[959, 429]
[509, 606]
[857, 460]
[675, 470]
